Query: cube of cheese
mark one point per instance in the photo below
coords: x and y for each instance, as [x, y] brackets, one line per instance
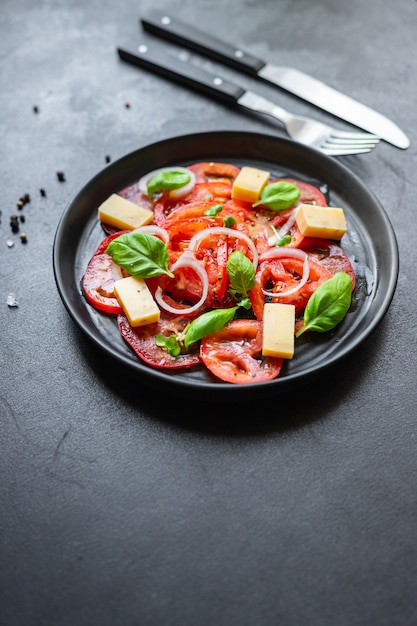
[319, 221]
[136, 301]
[124, 214]
[278, 330]
[249, 183]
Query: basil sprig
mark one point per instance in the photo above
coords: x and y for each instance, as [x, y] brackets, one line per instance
[328, 305]
[214, 210]
[279, 196]
[242, 278]
[285, 240]
[203, 325]
[167, 180]
[208, 323]
[170, 343]
[140, 254]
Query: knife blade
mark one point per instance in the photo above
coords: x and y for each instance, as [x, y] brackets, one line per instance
[292, 80]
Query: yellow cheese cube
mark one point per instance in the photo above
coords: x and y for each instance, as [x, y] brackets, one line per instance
[249, 183]
[136, 301]
[124, 214]
[278, 330]
[319, 221]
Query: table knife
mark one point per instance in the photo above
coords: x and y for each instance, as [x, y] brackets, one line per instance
[300, 84]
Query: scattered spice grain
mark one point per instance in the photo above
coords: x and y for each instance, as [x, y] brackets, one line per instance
[14, 223]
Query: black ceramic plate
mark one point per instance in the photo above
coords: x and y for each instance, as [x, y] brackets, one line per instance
[370, 243]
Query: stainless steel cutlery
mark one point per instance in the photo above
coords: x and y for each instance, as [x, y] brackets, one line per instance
[300, 128]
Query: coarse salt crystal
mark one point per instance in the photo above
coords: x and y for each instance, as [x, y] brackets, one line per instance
[11, 300]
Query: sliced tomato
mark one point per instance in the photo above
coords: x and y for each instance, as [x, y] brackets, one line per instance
[280, 275]
[330, 255]
[142, 341]
[212, 170]
[99, 279]
[179, 292]
[181, 231]
[213, 192]
[234, 354]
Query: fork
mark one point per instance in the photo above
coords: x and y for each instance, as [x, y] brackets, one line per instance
[305, 130]
[301, 129]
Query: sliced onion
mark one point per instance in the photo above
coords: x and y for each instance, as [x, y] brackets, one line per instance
[186, 260]
[277, 253]
[284, 230]
[173, 193]
[150, 229]
[116, 271]
[229, 232]
[107, 288]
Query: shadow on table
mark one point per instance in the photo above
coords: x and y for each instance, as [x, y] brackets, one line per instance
[294, 408]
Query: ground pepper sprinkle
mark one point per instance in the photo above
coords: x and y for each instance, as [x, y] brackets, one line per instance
[14, 223]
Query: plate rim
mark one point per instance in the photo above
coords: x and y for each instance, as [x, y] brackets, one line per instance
[231, 391]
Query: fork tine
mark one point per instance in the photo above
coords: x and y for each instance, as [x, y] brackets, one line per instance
[341, 151]
[340, 134]
[353, 142]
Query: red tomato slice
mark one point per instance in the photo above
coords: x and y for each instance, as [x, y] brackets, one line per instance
[330, 255]
[206, 171]
[142, 341]
[212, 193]
[278, 275]
[234, 354]
[99, 278]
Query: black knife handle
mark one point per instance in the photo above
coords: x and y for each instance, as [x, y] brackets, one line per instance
[180, 71]
[170, 28]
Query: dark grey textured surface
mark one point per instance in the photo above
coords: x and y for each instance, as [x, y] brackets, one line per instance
[121, 507]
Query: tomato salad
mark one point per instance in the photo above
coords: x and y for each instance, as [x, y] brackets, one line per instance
[211, 254]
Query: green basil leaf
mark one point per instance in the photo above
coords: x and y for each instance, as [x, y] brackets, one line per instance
[167, 180]
[229, 221]
[171, 344]
[241, 272]
[208, 323]
[242, 301]
[284, 240]
[279, 196]
[328, 305]
[140, 254]
[213, 210]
